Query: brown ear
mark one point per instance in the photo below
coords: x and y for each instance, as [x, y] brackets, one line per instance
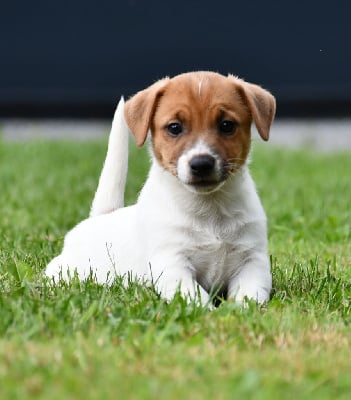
[140, 108]
[261, 104]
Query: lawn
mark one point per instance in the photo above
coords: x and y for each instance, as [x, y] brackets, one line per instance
[85, 341]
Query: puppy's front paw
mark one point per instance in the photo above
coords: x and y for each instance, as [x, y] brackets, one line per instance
[188, 289]
[243, 293]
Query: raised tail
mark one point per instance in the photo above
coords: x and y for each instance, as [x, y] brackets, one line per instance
[109, 195]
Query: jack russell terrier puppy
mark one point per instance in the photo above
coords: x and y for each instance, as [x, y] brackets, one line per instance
[198, 225]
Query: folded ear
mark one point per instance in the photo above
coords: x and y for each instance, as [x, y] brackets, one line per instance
[140, 109]
[261, 104]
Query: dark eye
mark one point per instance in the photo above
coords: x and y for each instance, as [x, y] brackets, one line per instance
[227, 127]
[175, 129]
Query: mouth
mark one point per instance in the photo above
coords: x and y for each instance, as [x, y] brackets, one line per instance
[204, 186]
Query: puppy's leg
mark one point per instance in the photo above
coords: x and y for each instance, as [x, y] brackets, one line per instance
[170, 274]
[109, 195]
[254, 281]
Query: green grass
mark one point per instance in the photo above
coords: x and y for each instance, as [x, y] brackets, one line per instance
[88, 341]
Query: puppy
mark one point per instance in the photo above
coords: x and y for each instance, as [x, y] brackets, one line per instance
[198, 225]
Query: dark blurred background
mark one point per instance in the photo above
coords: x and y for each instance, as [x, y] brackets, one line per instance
[75, 58]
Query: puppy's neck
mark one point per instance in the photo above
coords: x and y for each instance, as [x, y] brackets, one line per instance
[171, 191]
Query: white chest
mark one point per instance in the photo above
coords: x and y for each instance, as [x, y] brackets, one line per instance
[214, 256]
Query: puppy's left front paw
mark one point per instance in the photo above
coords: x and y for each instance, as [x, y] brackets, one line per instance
[242, 294]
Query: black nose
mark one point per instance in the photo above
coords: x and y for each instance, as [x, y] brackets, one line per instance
[202, 165]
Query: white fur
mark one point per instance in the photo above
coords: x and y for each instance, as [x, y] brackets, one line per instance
[172, 237]
[200, 87]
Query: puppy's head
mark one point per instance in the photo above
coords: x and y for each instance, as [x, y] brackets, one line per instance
[200, 125]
